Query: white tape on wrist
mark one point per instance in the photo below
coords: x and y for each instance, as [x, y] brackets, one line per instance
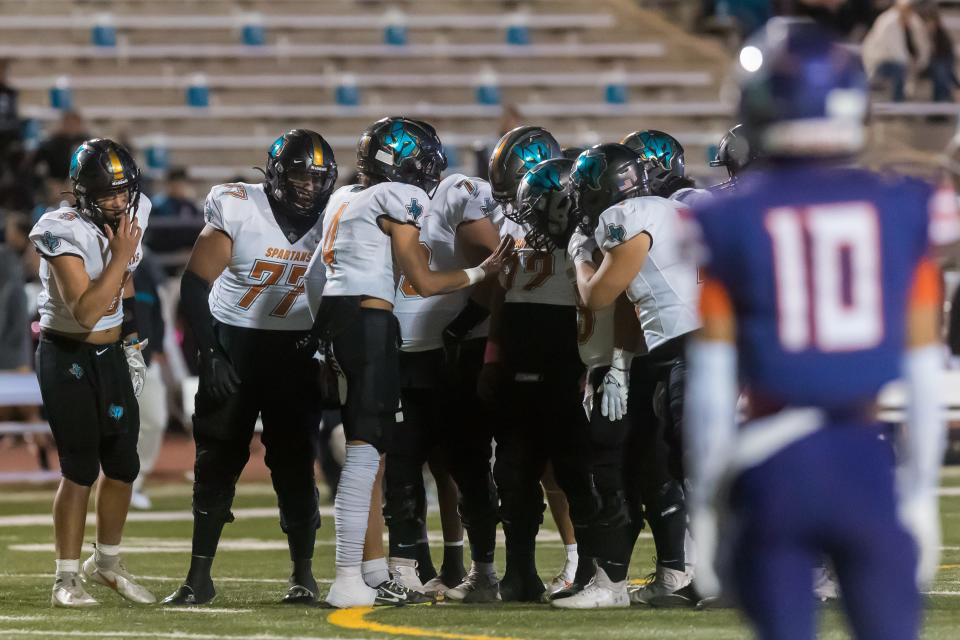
[475, 274]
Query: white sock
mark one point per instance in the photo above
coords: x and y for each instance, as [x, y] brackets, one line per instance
[108, 549]
[67, 566]
[375, 571]
[570, 565]
[455, 543]
[352, 505]
[485, 568]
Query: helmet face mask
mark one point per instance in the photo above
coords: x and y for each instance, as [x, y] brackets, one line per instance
[105, 181]
[301, 172]
[734, 152]
[517, 152]
[545, 206]
[398, 149]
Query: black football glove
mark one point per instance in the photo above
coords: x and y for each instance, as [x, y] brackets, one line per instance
[218, 378]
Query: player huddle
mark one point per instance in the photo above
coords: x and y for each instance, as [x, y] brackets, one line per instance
[588, 311]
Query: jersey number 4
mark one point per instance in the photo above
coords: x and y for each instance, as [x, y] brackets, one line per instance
[270, 273]
[828, 276]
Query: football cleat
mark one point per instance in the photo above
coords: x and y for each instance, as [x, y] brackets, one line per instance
[517, 587]
[600, 593]
[825, 585]
[351, 591]
[187, 596]
[404, 571]
[393, 593]
[299, 594]
[69, 592]
[117, 578]
[477, 588]
[559, 583]
[572, 588]
[668, 588]
[436, 586]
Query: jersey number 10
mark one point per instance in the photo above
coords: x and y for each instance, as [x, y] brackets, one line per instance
[827, 271]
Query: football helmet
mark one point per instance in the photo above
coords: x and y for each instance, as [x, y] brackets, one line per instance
[544, 205]
[398, 149]
[517, 152]
[734, 152]
[99, 170]
[301, 172]
[802, 94]
[602, 176]
[663, 155]
[571, 153]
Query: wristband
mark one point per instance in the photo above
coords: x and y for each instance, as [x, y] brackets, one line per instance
[491, 352]
[475, 275]
[621, 359]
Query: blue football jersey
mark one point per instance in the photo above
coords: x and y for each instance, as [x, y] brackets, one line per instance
[819, 264]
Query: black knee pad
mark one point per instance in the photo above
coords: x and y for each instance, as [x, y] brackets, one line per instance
[478, 502]
[81, 467]
[403, 503]
[124, 469]
[214, 500]
[299, 507]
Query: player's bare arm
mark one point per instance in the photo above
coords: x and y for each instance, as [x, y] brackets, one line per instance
[211, 254]
[405, 240]
[600, 286]
[89, 300]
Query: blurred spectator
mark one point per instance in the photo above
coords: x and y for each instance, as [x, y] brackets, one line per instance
[153, 400]
[896, 48]
[942, 69]
[9, 117]
[17, 232]
[178, 199]
[14, 324]
[53, 155]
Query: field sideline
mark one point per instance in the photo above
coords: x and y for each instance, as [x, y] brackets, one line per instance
[251, 572]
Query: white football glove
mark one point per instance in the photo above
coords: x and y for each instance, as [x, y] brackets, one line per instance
[920, 514]
[136, 364]
[616, 388]
[581, 247]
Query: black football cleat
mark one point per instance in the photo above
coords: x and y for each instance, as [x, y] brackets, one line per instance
[186, 596]
[518, 587]
[299, 594]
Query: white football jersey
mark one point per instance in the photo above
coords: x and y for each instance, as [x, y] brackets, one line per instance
[263, 286]
[458, 199]
[691, 196]
[535, 276]
[67, 232]
[666, 292]
[356, 254]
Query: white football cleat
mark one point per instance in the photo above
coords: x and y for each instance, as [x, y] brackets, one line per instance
[404, 571]
[350, 591]
[600, 593]
[436, 586]
[559, 583]
[665, 583]
[825, 585]
[69, 592]
[140, 501]
[117, 578]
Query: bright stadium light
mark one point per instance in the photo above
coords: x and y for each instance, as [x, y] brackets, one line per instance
[751, 58]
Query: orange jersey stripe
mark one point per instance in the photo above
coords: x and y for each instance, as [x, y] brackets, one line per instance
[927, 289]
[715, 300]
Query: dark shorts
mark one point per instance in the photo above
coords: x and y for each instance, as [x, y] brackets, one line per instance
[90, 405]
[368, 354]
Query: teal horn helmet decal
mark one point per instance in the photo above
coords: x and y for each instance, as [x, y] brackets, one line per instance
[588, 171]
[276, 147]
[546, 178]
[656, 148]
[401, 142]
[532, 154]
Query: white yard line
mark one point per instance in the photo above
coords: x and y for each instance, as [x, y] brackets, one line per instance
[227, 580]
[203, 610]
[20, 618]
[185, 515]
[168, 490]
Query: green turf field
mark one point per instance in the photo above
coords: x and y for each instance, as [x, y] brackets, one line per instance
[252, 566]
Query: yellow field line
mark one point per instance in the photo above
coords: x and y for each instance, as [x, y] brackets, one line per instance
[355, 618]
[950, 566]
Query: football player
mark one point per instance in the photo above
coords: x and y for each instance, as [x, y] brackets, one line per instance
[242, 293]
[440, 358]
[639, 238]
[607, 528]
[89, 363]
[367, 229]
[819, 291]
[532, 360]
